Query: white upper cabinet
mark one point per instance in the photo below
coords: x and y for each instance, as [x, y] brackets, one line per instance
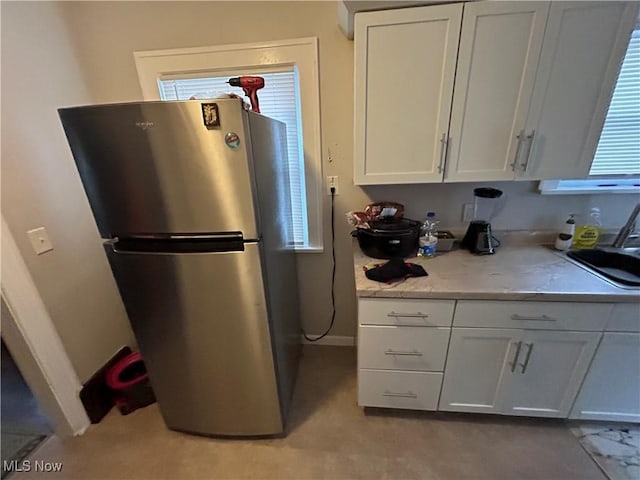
[404, 70]
[583, 48]
[498, 56]
[489, 91]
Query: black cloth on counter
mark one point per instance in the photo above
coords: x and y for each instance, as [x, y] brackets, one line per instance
[396, 268]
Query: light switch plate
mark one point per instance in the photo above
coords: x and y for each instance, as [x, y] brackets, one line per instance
[40, 240]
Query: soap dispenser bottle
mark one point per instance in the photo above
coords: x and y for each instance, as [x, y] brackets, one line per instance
[587, 235]
[565, 236]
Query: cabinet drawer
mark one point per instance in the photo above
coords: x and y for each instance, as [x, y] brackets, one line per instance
[402, 348]
[413, 390]
[625, 317]
[532, 315]
[405, 312]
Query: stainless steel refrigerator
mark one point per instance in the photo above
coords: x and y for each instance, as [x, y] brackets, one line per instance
[192, 201]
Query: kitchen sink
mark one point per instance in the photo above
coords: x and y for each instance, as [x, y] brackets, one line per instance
[621, 269]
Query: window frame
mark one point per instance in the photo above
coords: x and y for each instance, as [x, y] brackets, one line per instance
[300, 54]
[591, 185]
[279, 82]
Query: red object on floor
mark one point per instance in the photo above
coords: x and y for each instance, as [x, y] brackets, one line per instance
[113, 375]
[130, 383]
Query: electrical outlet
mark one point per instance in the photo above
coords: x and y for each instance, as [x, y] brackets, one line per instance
[467, 212]
[40, 240]
[332, 181]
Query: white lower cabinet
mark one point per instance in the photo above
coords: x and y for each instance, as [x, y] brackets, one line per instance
[548, 374]
[515, 372]
[402, 348]
[478, 362]
[539, 359]
[398, 389]
[611, 389]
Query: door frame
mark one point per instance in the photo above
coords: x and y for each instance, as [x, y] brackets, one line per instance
[35, 345]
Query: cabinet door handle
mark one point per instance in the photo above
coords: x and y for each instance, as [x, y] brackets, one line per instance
[526, 359]
[515, 357]
[541, 318]
[412, 353]
[517, 155]
[409, 394]
[525, 165]
[416, 315]
[444, 144]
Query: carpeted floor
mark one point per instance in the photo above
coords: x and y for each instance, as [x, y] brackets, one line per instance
[330, 437]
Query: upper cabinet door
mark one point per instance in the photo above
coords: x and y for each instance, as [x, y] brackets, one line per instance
[404, 69]
[584, 45]
[499, 52]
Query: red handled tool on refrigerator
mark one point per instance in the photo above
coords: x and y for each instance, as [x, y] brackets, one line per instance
[250, 85]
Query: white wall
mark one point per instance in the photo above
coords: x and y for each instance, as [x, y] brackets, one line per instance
[104, 36]
[525, 209]
[40, 186]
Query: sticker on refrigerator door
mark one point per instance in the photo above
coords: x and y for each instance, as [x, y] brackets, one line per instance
[210, 115]
[232, 140]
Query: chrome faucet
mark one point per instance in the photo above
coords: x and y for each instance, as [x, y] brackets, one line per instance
[627, 228]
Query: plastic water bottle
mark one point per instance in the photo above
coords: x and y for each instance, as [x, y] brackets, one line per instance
[428, 240]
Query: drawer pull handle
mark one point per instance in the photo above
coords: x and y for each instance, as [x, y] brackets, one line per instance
[409, 394]
[541, 318]
[417, 315]
[413, 353]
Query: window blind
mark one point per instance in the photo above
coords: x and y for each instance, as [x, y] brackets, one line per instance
[279, 100]
[618, 151]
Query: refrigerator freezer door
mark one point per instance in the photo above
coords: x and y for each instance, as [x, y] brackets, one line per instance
[202, 326]
[155, 167]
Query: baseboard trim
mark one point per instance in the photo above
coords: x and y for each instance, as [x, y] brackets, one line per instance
[335, 340]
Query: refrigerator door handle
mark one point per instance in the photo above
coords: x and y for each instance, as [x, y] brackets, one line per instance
[177, 244]
[186, 236]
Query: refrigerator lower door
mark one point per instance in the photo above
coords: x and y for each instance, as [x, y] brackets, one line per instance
[202, 325]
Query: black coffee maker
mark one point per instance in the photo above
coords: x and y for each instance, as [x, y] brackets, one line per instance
[488, 202]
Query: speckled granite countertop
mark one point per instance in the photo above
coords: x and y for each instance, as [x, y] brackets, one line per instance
[518, 271]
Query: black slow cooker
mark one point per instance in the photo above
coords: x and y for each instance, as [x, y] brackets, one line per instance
[389, 238]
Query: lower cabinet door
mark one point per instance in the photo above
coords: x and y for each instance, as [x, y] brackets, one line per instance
[549, 371]
[397, 389]
[479, 363]
[611, 389]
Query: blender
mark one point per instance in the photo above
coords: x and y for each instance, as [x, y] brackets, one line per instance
[487, 203]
